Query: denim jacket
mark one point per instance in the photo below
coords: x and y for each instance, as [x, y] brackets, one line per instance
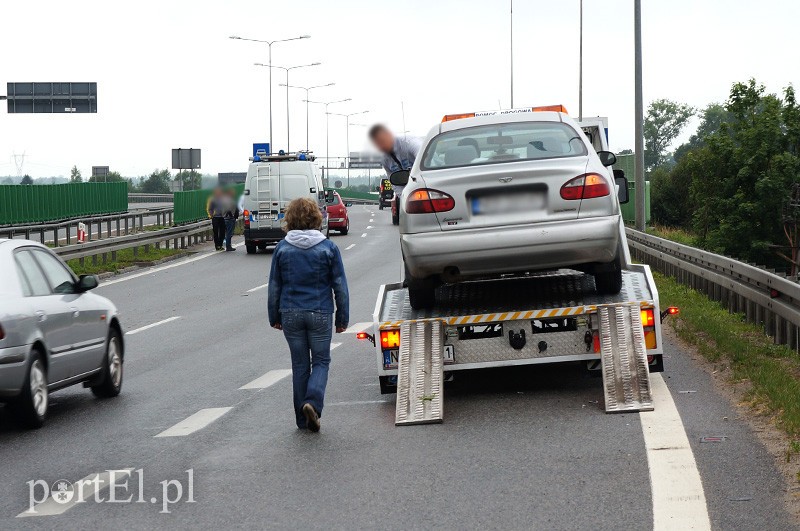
[307, 273]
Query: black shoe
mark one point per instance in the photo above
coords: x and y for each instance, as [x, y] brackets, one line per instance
[312, 419]
[230, 249]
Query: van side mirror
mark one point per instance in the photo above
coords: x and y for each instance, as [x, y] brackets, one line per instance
[622, 186]
[607, 158]
[329, 197]
[86, 283]
[400, 178]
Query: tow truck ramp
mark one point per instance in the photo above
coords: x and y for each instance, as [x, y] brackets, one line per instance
[626, 377]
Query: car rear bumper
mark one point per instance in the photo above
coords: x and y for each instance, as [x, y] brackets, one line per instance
[495, 250]
[12, 369]
[337, 223]
[265, 235]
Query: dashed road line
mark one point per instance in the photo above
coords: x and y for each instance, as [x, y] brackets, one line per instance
[334, 345]
[369, 226]
[152, 325]
[195, 422]
[82, 490]
[364, 235]
[268, 379]
[262, 286]
[349, 247]
[678, 498]
[358, 402]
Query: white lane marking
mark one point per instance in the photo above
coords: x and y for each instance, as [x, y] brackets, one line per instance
[83, 489]
[176, 263]
[262, 286]
[678, 498]
[334, 345]
[196, 422]
[357, 327]
[152, 325]
[371, 220]
[369, 226]
[268, 379]
[358, 402]
[349, 247]
[364, 235]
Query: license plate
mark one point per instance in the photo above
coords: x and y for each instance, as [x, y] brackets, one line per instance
[517, 202]
[267, 217]
[449, 354]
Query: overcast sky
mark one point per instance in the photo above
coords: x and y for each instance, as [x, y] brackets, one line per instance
[168, 75]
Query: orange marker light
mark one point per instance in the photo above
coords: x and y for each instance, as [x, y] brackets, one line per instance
[361, 335]
[648, 318]
[390, 338]
[673, 310]
[450, 117]
[553, 108]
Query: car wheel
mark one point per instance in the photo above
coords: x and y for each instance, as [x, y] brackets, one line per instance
[250, 247]
[111, 372]
[380, 206]
[609, 281]
[387, 386]
[421, 291]
[30, 407]
[346, 229]
[262, 246]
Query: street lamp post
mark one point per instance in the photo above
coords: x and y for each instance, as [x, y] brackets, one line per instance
[639, 125]
[286, 69]
[307, 89]
[347, 136]
[269, 47]
[326, 103]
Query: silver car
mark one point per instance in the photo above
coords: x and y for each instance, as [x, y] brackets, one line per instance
[53, 332]
[511, 193]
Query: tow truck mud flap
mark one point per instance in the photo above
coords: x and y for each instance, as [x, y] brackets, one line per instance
[420, 373]
[626, 378]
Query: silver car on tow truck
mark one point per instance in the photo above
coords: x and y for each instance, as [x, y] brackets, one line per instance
[53, 332]
[509, 193]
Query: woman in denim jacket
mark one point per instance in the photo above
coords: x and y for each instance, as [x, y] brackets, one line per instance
[307, 274]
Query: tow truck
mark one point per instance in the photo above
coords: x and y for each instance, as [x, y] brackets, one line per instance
[528, 319]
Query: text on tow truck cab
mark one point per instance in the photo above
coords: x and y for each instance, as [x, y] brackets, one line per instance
[543, 108]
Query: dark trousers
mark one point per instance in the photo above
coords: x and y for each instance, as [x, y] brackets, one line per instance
[218, 228]
[230, 224]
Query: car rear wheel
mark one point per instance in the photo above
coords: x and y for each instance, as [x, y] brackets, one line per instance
[421, 291]
[111, 371]
[609, 280]
[346, 228]
[30, 407]
[262, 246]
[250, 247]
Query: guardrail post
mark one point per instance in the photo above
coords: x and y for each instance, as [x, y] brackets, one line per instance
[68, 231]
[141, 222]
[113, 256]
[108, 229]
[170, 217]
[183, 242]
[82, 261]
[126, 226]
[147, 249]
[175, 244]
[105, 257]
[117, 227]
[135, 251]
[94, 259]
[779, 330]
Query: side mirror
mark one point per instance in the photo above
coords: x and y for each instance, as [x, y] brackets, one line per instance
[400, 178]
[348, 205]
[378, 188]
[607, 158]
[329, 197]
[86, 283]
[622, 186]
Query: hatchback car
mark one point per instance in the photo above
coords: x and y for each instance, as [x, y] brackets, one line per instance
[338, 219]
[505, 194]
[53, 332]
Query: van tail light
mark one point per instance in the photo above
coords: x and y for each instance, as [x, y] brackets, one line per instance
[246, 215]
[585, 186]
[427, 201]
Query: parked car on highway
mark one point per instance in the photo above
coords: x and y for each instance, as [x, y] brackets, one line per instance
[272, 182]
[508, 193]
[338, 219]
[53, 332]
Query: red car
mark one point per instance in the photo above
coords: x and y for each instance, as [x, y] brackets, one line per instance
[338, 219]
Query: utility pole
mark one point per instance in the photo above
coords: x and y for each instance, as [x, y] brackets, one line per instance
[580, 71]
[511, 26]
[639, 126]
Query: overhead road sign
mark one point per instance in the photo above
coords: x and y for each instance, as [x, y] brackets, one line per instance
[185, 159]
[52, 98]
[100, 171]
[365, 160]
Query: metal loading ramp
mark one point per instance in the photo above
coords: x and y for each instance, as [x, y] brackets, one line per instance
[420, 373]
[626, 378]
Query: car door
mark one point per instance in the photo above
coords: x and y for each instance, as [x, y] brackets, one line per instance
[88, 328]
[53, 316]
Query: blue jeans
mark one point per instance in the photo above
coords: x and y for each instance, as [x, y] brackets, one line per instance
[309, 337]
[229, 225]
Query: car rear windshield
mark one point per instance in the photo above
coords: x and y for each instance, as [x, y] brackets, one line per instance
[491, 144]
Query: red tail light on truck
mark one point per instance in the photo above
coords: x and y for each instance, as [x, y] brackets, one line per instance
[585, 186]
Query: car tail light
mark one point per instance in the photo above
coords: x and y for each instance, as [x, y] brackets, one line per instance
[585, 186]
[246, 215]
[427, 201]
[648, 325]
[390, 338]
[2, 332]
[648, 318]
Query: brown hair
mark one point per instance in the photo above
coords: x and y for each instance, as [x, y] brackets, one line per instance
[302, 214]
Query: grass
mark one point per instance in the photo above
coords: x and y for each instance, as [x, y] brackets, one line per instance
[673, 234]
[124, 259]
[772, 371]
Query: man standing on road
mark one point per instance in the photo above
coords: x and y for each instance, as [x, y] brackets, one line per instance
[399, 153]
[217, 215]
[230, 213]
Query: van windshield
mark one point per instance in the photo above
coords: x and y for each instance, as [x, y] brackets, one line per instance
[491, 144]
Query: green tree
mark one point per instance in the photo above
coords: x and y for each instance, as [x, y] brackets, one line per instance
[157, 182]
[664, 122]
[189, 179]
[112, 177]
[26, 179]
[75, 175]
[713, 116]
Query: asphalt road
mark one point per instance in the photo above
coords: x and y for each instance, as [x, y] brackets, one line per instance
[528, 448]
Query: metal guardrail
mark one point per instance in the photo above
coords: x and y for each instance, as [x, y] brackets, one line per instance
[125, 222]
[181, 237]
[149, 198]
[766, 298]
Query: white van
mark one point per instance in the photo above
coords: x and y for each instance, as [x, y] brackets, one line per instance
[272, 182]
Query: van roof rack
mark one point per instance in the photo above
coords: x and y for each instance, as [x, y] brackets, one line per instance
[281, 156]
